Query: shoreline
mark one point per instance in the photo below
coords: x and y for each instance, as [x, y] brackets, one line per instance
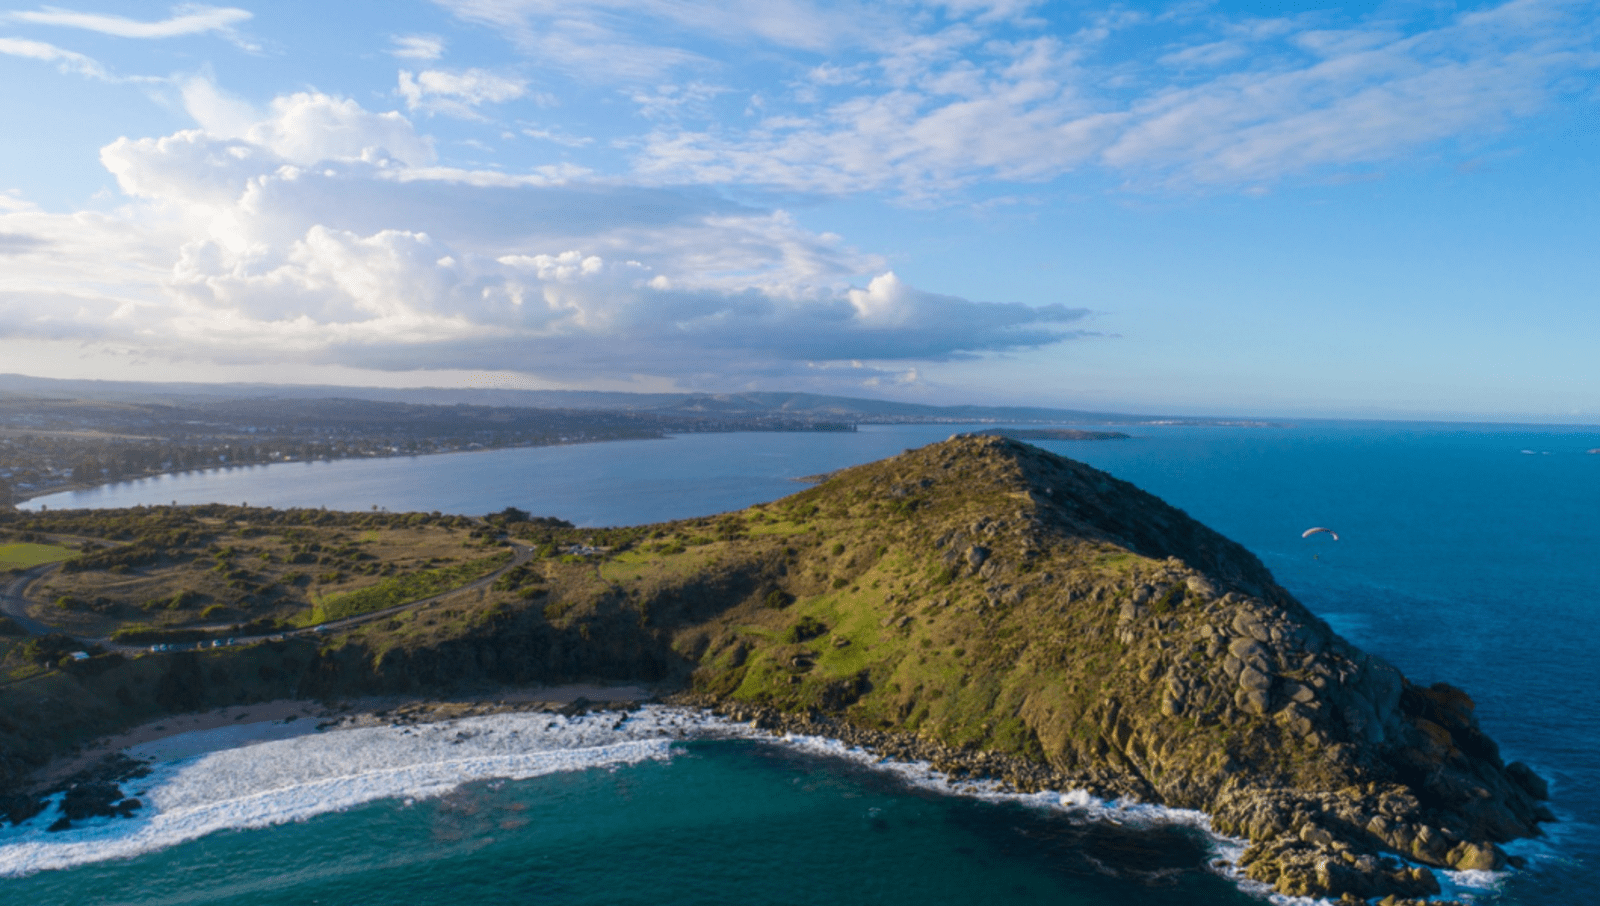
[21, 497]
[181, 736]
[18, 498]
[917, 762]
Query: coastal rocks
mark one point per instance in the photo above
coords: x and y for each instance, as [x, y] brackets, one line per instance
[19, 807]
[1316, 867]
[1531, 783]
[94, 799]
[97, 792]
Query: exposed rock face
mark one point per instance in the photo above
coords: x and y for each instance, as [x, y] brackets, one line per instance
[990, 606]
[1089, 626]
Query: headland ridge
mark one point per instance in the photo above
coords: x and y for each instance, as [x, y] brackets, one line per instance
[980, 603]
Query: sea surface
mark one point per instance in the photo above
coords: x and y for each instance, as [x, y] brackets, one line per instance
[1466, 553]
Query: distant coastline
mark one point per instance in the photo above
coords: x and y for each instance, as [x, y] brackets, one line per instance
[1055, 434]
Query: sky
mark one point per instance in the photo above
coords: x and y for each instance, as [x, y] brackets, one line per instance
[1370, 210]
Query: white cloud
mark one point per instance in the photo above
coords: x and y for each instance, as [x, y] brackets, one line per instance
[631, 38]
[559, 138]
[187, 20]
[293, 238]
[458, 93]
[922, 99]
[218, 112]
[417, 47]
[65, 60]
[1365, 97]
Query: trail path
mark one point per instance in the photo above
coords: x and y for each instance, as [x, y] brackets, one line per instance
[14, 601]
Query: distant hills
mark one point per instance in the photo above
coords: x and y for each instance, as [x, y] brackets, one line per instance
[755, 404]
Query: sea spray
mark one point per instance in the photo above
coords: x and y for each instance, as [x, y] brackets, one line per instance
[294, 779]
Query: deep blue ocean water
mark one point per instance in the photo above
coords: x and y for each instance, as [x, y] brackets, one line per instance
[1467, 553]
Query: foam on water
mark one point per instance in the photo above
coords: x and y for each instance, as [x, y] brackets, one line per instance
[273, 780]
[283, 780]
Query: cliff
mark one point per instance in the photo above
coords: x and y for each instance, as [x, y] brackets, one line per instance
[979, 602]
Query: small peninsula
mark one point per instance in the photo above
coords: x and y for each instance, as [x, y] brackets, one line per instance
[988, 606]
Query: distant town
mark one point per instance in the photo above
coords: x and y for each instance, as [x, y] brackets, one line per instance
[63, 435]
[52, 445]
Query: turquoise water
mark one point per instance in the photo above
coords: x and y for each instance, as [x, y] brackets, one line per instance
[721, 822]
[1469, 554]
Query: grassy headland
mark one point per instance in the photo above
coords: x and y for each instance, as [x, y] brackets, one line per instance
[979, 602]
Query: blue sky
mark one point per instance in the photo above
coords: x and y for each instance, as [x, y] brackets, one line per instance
[1372, 210]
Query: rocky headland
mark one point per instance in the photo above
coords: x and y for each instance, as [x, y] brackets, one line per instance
[980, 603]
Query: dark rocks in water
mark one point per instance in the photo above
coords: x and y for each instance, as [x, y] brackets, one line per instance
[94, 799]
[96, 792]
[18, 807]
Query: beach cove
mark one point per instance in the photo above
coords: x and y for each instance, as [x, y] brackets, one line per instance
[1441, 558]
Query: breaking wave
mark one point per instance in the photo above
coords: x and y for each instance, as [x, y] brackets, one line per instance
[294, 779]
[280, 780]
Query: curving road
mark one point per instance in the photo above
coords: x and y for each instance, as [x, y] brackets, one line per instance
[14, 604]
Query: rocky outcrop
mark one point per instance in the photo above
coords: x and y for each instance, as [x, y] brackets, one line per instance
[1073, 621]
[980, 603]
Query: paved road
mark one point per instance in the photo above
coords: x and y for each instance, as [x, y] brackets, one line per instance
[14, 605]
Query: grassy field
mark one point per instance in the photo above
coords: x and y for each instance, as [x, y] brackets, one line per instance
[178, 568]
[23, 556]
[400, 590]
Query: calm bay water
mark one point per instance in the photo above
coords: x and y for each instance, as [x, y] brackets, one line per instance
[1469, 554]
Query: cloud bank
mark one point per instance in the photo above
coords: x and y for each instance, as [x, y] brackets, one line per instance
[322, 232]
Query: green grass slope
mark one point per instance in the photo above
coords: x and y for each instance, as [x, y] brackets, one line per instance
[983, 599]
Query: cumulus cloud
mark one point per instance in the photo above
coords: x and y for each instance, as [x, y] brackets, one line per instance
[322, 233]
[186, 20]
[20, 243]
[458, 93]
[304, 128]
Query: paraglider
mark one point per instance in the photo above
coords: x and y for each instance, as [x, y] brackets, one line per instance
[1312, 531]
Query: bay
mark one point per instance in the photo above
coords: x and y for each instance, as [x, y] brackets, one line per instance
[1467, 553]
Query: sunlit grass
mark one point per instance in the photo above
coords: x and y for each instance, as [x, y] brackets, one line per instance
[26, 555]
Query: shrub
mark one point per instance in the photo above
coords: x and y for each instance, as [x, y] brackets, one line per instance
[806, 629]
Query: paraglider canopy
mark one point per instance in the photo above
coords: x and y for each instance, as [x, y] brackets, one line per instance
[1312, 531]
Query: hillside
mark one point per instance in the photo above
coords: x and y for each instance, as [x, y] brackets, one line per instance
[979, 602]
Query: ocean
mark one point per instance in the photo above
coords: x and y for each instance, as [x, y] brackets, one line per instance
[1466, 553]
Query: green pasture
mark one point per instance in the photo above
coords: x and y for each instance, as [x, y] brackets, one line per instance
[23, 556]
